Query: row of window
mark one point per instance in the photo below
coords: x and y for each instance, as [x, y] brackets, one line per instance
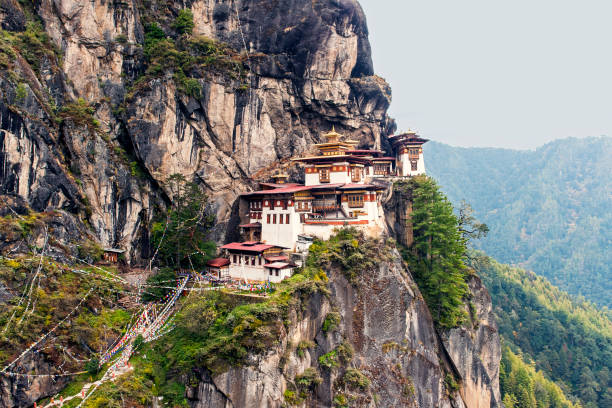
[271, 218]
[247, 259]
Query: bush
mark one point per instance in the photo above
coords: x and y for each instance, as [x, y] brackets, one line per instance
[304, 345]
[451, 383]
[158, 285]
[93, 367]
[20, 92]
[354, 378]
[81, 113]
[184, 22]
[90, 251]
[348, 250]
[308, 380]
[332, 320]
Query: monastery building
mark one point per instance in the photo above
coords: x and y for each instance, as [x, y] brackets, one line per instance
[343, 186]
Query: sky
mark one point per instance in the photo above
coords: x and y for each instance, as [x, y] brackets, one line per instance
[513, 74]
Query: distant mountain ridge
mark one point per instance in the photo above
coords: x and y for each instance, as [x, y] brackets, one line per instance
[549, 209]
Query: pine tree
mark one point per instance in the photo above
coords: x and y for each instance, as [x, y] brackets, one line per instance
[179, 235]
[437, 253]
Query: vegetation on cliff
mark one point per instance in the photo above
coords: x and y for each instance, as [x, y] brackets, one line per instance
[187, 57]
[216, 330]
[50, 291]
[437, 253]
[569, 341]
[179, 234]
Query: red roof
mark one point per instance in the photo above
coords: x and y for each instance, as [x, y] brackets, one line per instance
[218, 262]
[252, 225]
[278, 265]
[250, 246]
[276, 258]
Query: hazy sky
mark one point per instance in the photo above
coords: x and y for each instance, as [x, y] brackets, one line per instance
[496, 73]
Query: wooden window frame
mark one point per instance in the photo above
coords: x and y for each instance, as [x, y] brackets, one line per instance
[268, 219]
[324, 175]
[286, 218]
[356, 174]
[355, 200]
[273, 218]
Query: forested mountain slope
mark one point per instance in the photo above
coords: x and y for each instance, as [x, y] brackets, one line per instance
[549, 210]
[570, 341]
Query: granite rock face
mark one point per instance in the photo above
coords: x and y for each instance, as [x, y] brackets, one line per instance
[394, 344]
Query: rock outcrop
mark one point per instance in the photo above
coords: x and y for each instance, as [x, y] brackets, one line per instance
[394, 342]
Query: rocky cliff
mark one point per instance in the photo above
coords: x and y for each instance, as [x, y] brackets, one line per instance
[392, 343]
[292, 70]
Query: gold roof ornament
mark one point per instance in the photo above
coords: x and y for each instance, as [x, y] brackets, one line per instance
[280, 177]
[332, 136]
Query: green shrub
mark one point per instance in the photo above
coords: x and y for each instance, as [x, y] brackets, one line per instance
[332, 320]
[340, 401]
[159, 285]
[90, 251]
[292, 398]
[184, 22]
[350, 251]
[81, 113]
[354, 378]
[20, 92]
[308, 380]
[303, 346]
[451, 383]
[92, 367]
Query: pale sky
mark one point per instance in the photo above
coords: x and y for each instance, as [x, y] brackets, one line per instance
[497, 73]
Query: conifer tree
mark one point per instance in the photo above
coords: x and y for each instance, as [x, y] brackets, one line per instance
[437, 253]
[179, 234]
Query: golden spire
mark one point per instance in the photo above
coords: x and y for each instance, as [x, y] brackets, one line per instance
[333, 136]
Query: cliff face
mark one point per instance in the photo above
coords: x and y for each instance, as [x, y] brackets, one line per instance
[306, 66]
[394, 345]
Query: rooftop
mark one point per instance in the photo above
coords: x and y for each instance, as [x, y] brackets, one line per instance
[249, 246]
[218, 262]
[279, 265]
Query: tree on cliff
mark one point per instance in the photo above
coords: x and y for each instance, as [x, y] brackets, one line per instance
[179, 234]
[436, 255]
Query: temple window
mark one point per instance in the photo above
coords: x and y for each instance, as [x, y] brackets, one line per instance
[324, 175]
[280, 218]
[274, 219]
[413, 165]
[268, 219]
[355, 200]
[286, 218]
[355, 174]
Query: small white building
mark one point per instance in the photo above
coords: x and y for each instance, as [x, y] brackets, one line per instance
[409, 152]
[256, 261]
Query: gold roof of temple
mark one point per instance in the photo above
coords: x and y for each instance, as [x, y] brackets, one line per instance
[333, 141]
